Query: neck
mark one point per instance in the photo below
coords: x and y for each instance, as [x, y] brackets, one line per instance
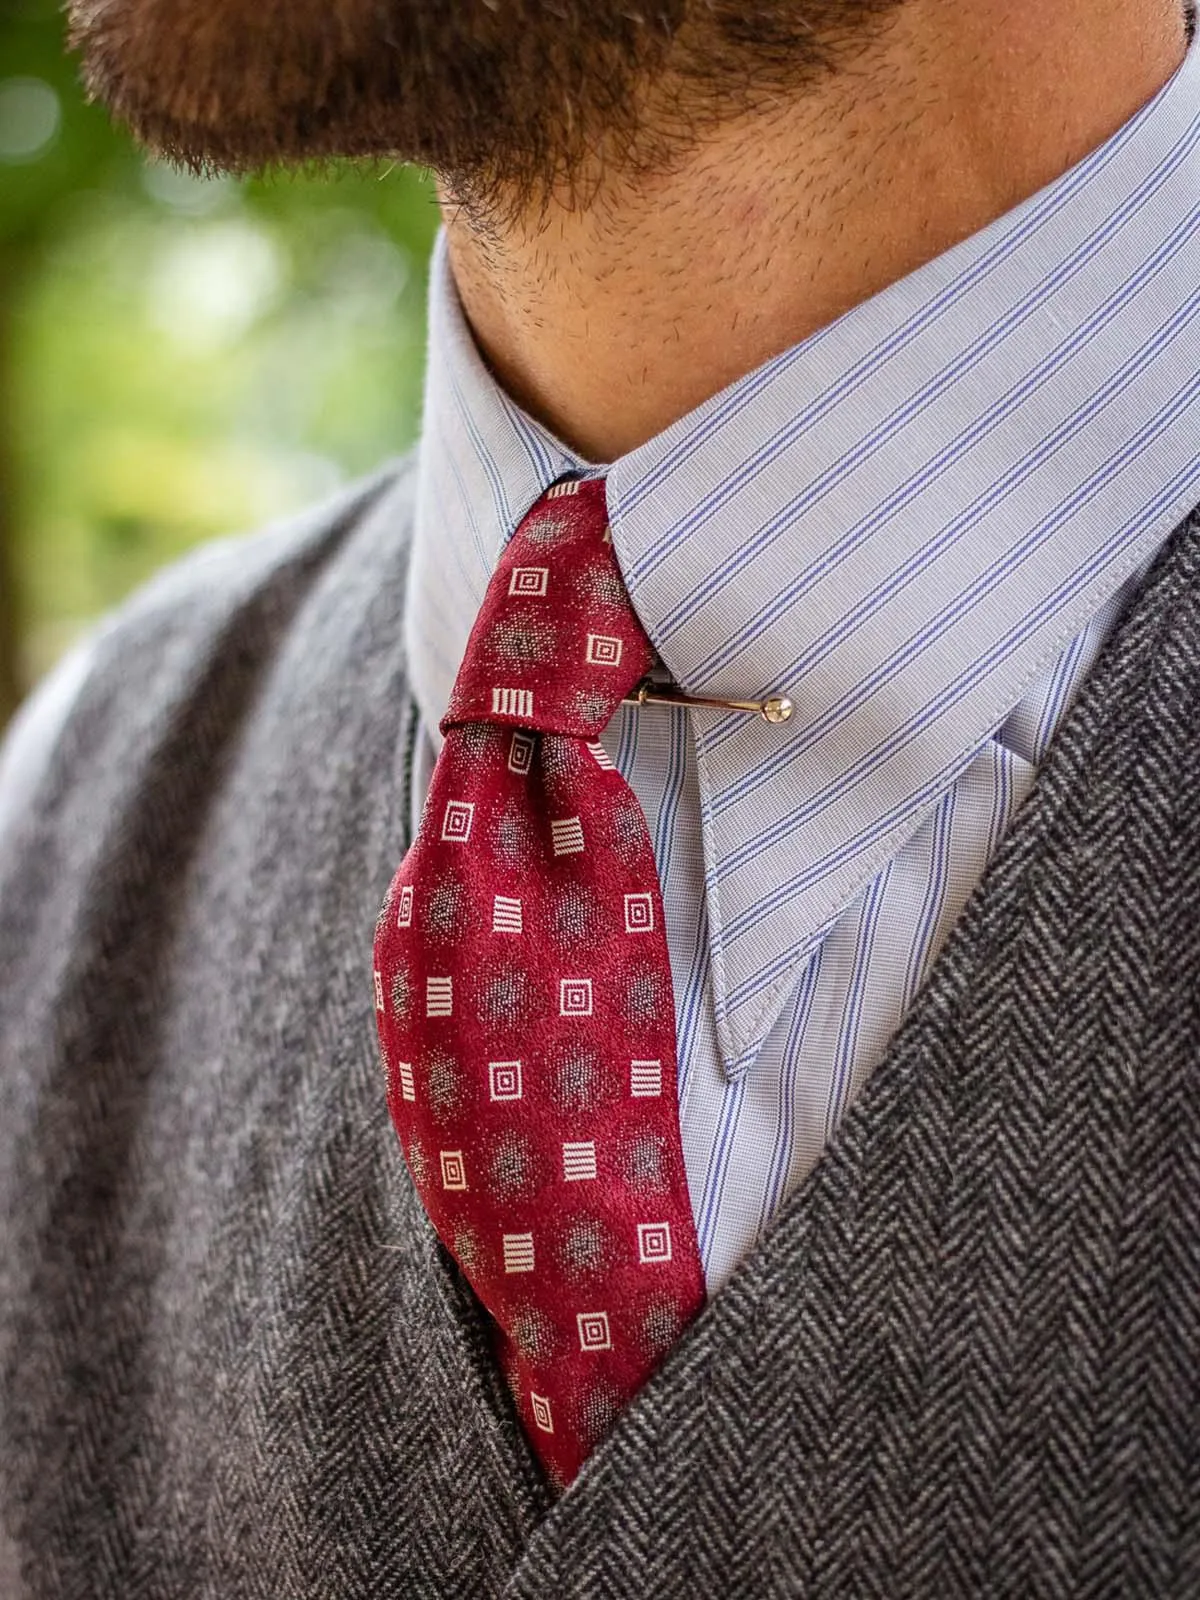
[609, 321]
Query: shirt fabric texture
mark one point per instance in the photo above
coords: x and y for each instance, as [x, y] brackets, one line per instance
[921, 523]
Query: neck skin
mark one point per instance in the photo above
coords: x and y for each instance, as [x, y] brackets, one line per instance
[609, 322]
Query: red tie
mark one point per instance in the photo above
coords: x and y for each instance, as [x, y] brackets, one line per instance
[524, 996]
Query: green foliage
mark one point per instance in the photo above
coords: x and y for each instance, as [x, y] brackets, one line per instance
[180, 357]
[83, 149]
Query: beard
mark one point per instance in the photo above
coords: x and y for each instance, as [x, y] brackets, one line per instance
[506, 100]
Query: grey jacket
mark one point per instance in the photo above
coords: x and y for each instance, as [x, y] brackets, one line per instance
[234, 1360]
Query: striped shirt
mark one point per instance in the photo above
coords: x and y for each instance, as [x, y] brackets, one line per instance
[922, 523]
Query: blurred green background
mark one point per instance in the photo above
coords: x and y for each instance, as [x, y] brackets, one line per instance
[179, 357]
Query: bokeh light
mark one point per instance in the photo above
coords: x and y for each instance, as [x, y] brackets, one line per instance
[181, 357]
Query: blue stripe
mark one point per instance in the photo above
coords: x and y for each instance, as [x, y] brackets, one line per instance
[847, 1034]
[934, 898]
[797, 1029]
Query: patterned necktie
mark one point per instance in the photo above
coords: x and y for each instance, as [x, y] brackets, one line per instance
[524, 998]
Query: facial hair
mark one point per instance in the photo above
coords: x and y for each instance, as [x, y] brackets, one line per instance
[506, 100]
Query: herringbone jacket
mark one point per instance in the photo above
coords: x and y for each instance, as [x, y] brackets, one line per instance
[234, 1361]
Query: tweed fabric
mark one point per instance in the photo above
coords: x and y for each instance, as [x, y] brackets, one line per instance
[234, 1361]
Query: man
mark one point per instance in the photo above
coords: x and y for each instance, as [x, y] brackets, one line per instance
[842, 353]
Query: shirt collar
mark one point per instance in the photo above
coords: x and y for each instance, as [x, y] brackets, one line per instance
[899, 522]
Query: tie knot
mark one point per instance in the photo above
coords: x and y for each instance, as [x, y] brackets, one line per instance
[557, 644]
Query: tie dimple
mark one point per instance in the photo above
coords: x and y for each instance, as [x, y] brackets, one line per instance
[524, 998]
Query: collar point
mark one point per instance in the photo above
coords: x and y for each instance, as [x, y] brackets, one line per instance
[737, 1053]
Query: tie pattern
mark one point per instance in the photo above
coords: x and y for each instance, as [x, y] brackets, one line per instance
[524, 998]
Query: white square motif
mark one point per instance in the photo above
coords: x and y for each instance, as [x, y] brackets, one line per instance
[593, 1330]
[541, 1412]
[574, 997]
[506, 915]
[456, 822]
[639, 913]
[603, 651]
[405, 1074]
[405, 908]
[645, 1079]
[654, 1241]
[454, 1172]
[520, 754]
[439, 997]
[601, 756]
[566, 834]
[378, 990]
[529, 581]
[579, 1161]
[504, 1078]
[512, 702]
[556, 491]
[518, 1252]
